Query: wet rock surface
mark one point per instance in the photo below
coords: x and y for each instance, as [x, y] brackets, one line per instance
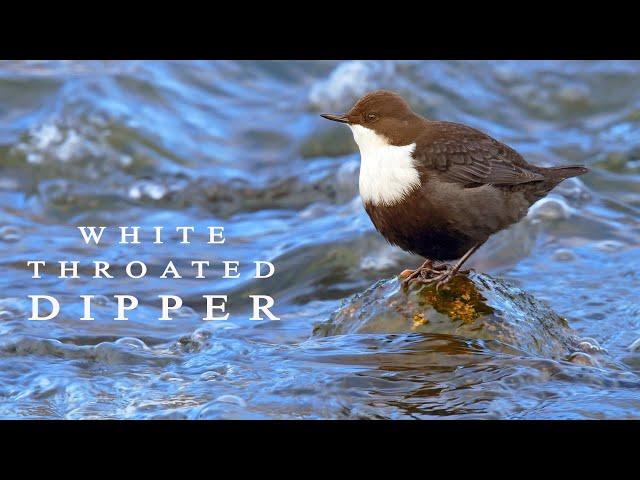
[476, 307]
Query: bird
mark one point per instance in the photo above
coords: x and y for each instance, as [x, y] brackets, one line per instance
[439, 189]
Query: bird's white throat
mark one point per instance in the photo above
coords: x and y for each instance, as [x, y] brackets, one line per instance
[387, 172]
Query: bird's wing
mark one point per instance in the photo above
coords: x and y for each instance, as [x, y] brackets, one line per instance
[461, 154]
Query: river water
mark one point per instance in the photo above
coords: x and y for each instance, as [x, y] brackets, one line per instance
[240, 144]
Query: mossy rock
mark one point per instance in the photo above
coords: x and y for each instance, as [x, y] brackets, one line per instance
[475, 307]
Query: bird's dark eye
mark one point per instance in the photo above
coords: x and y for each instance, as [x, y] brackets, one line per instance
[371, 117]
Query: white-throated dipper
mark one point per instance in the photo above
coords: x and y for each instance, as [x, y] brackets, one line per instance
[439, 189]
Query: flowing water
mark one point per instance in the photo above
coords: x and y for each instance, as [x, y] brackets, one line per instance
[240, 144]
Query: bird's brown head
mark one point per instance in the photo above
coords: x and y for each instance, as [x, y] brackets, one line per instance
[384, 112]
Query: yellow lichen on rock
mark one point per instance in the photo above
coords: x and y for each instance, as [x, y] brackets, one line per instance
[461, 310]
[418, 320]
[459, 300]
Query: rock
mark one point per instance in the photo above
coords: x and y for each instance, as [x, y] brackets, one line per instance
[549, 208]
[563, 255]
[475, 307]
[581, 358]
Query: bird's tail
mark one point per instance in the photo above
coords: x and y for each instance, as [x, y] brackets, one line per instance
[560, 173]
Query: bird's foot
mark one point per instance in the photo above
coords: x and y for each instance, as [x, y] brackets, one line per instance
[442, 278]
[428, 268]
[430, 273]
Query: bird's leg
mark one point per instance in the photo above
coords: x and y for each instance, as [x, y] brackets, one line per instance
[444, 272]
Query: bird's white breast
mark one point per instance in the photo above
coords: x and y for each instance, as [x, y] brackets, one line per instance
[387, 172]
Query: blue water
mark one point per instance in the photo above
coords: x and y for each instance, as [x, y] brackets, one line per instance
[241, 144]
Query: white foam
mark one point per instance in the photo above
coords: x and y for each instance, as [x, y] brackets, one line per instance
[349, 81]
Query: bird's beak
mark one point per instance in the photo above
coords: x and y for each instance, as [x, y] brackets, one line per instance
[336, 118]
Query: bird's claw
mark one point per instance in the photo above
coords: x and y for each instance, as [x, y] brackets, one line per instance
[429, 274]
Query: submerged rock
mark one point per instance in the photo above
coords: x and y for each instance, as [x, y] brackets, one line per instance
[476, 307]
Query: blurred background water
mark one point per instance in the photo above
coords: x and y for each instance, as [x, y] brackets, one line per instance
[241, 144]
